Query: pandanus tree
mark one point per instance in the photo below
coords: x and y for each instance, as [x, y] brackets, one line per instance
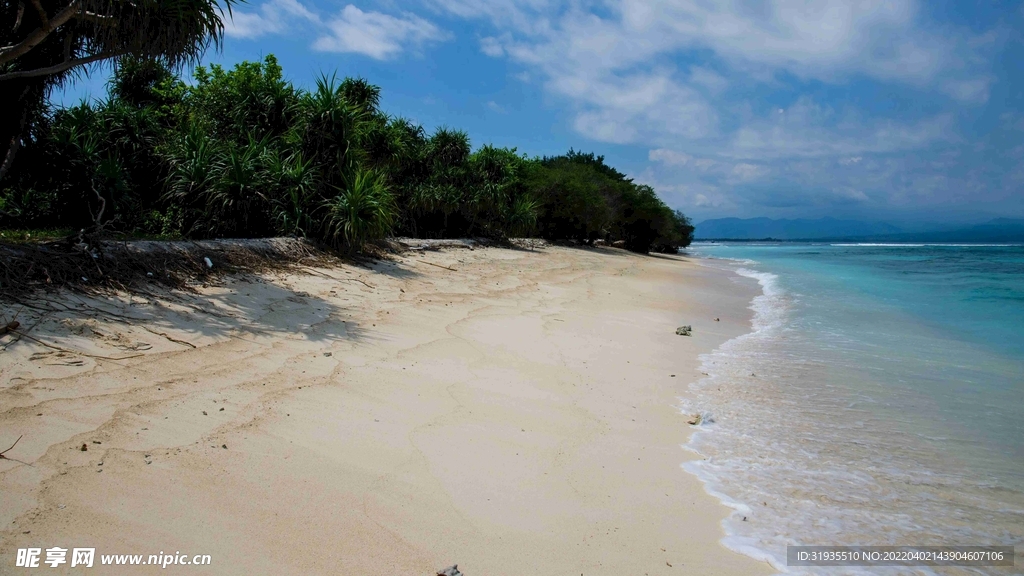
[443, 191]
[43, 43]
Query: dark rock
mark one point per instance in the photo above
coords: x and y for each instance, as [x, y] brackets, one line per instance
[452, 570]
[684, 330]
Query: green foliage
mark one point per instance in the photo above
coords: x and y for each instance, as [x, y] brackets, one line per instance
[574, 199]
[253, 99]
[144, 82]
[48, 42]
[329, 129]
[243, 153]
[362, 210]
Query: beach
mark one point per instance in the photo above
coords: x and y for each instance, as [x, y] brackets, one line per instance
[509, 410]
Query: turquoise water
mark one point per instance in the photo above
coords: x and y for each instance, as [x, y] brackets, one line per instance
[878, 401]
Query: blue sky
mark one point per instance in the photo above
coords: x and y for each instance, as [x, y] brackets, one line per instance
[897, 110]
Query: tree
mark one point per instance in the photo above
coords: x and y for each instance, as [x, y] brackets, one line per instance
[50, 40]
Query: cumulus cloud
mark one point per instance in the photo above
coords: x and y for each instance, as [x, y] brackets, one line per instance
[657, 71]
[491, 47]
[272, 17]
[669, 157]
[809, 129]
[374, 34]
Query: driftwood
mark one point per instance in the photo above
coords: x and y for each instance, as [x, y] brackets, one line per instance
[438, 265]
[3, 455]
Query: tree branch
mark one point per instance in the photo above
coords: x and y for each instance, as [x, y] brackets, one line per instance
[21, 12]
[58, 68]
[42, 15]
[37, 36]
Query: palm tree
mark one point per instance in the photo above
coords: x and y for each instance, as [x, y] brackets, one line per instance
[50, 40]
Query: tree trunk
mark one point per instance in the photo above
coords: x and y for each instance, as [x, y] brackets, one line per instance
[12, 128]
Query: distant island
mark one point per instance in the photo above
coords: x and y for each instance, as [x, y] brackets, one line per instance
[751, 229]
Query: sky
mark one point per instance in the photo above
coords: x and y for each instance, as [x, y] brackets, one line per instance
[893, 110]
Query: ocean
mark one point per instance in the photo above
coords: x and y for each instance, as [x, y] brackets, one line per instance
[879, 400]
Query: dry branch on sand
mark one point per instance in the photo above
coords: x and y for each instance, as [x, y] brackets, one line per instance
[3, 454]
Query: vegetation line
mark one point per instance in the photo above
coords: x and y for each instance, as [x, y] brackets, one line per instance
[243, 153]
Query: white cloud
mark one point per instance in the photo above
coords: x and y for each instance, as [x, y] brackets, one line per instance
[969, 91]
[710, 80]
[669, 157]
[491, 47]
[374, 34]
[818, 39]
[272, 17]
[746, 172]
[848, 194]
[496, 107]
[808, 129]
[620, 63]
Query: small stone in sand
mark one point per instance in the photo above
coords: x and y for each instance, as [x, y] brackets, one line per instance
[84, 448]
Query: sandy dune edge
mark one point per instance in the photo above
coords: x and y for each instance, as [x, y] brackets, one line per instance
[509, 410]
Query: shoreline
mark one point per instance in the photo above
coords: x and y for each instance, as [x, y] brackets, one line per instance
[733, 539]
[507, 410]
[845, 378]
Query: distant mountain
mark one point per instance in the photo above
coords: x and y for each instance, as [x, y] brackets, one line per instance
[799, 229]
[997, 230]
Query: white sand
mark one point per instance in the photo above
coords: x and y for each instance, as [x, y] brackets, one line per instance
[516, 416]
